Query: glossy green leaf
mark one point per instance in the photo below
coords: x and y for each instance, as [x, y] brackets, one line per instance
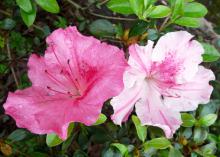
[160, 11]
[122, 148]
[49, 5]
[152, 34]
[102, 119]
[79, 153]
[174, 153]
[54, 140]
[138, 28]
[208, 150]
[195, 9]
[28, 18]
[102, 28]
[25, 5]
[178, 9]
[120, 6]
[141, 130]
[188, 120]
[18, 135]
[207, 120]
[200, 134]
[211, 53]
[138, 7]
[188, 22]
[157, 143]
[147, 3]
[7, 24]
[2, 42]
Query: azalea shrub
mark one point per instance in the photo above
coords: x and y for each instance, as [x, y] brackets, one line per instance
[109, 78]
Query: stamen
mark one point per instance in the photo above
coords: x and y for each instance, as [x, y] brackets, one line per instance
[55, 90]
[75, 81]
[54, 79]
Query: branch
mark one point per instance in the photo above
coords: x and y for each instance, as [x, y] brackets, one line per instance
[207, 28]
[11, 67]
[111, 17]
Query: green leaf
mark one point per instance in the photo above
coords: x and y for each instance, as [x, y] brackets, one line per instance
[138, 7]
[157, 143]
[178, 8]
[79, 153]
[188, 22]
[152, 34]
[102, 119]
[160, 11]
[195, 9]
[174, 153]
[200, 134]
[7, 24]
[138, 28]
[207, 120]
[49, 5]
[148, 3]
[120, 6]
[53, 140]
[188, 120]
[102, 28]
[108, 153]
[141, 130]
[212, 107]
[38, 154]
[208, 150]
[28, 18]
[211, 53]
[18, 135]
[122, 148]
[25, 5]
[2, 42]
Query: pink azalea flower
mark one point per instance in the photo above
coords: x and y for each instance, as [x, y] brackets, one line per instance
[162, 81]
[69, 84]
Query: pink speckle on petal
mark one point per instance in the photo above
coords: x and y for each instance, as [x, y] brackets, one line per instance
[168, 80]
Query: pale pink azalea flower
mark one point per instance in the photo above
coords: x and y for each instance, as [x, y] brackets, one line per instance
[69, 84]
[162, 81]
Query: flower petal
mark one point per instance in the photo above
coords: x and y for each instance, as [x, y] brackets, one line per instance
[151, 111]
[43, 76]
[184, 54]
[123, 103]
[140, 56]
[33, 109]
[93, 64]
[188, 96]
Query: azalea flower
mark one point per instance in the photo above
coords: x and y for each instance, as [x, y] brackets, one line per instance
[162, 81]
[69, 84]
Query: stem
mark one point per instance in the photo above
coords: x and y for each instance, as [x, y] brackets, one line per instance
[111, 17]
[38, 27]
[165, 24]
[5, 12]
[11, 67]
[77, 6]
[101, 3]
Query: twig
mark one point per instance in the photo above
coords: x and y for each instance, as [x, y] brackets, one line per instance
[74, 4]
[164, 24]
[11, 67]
[5, 12]
[101, 3]
[207, 28]
[111, 17]
[38, 27]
